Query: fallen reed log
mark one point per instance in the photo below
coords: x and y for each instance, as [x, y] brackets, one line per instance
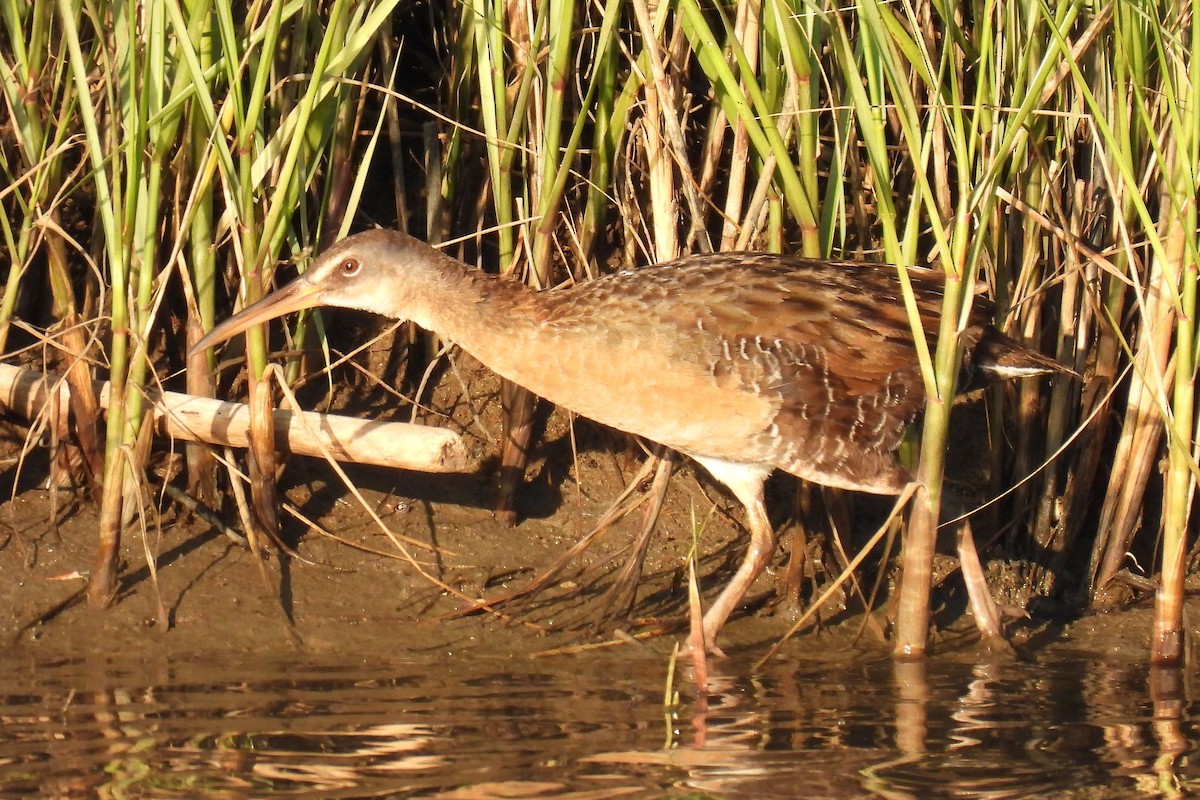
[203, 419]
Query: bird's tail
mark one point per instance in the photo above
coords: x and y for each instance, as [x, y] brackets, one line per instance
[1005, 357]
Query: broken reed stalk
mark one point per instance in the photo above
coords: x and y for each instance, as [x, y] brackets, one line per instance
[504, 44]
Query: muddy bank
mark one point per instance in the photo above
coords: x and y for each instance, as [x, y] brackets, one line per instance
[349, 589]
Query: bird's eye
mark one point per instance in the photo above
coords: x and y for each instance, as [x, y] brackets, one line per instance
[350, 267]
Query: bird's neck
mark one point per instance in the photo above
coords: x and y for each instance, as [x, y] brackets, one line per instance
[495, 319]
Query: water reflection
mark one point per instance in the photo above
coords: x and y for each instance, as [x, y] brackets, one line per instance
[594, 726]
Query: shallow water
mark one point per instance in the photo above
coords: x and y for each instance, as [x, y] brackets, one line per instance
[590, 726]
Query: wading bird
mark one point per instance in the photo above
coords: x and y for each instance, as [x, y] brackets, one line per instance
[746, 362]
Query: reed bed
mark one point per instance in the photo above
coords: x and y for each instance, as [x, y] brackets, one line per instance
[160, 162]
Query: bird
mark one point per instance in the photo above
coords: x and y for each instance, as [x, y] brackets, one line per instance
[745, 362]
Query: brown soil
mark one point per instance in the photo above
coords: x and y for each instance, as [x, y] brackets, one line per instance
[208, 595]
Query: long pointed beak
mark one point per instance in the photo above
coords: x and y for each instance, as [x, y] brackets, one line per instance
[296, 296]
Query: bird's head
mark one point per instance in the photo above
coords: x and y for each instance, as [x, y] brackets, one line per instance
[382, 271]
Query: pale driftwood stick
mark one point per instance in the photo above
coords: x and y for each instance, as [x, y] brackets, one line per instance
[202, 419]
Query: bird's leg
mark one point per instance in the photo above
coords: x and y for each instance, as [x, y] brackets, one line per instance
[758, 555]
[746, 482]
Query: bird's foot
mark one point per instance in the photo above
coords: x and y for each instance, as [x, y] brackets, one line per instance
[687, 650]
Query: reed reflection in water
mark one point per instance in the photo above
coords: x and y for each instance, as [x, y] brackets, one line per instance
[594, 724]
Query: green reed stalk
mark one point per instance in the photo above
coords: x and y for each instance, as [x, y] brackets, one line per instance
[1136, 452]
[660, 172]
[750, 107]
[487, 29]
[1068, 484]
[746, 33]
[288, 182]
[154, 141]
[201, 462]
[103, 583]
[605, 134]
[890, 53]
[1179, 218]
[26, 119]
[551, 199]
[37, 176]
[612, 127]
[249, 122]
[201, 233]
[562, 40]
[799, 43]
